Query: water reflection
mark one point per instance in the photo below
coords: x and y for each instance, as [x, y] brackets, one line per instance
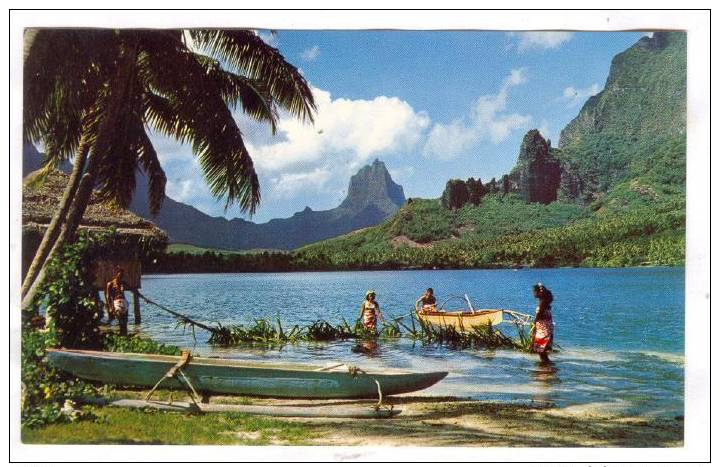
[545, 376]
[367, 347]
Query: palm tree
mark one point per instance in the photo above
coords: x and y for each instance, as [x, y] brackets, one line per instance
[96, 94]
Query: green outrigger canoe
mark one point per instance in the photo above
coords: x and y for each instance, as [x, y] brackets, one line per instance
[238, 377]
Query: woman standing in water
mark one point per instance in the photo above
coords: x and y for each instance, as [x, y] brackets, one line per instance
[543, 328]
[370, 311]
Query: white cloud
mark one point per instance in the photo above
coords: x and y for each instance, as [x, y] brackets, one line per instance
[540, 39]
[287, 185]
[577, 96]
[486, 121]
[310, 54]
[304, 160]
[355, 130]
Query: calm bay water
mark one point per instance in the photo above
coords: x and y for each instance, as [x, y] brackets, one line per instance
[621, 330]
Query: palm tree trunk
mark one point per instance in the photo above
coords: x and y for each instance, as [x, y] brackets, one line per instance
[122, 85]
[69, 227]
[58, 219]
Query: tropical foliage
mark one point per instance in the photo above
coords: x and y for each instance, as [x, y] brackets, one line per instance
[52, 396]
[45, 391]
[68, 296]
[96, 94]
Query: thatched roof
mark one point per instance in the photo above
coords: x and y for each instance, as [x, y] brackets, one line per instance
[41, 199]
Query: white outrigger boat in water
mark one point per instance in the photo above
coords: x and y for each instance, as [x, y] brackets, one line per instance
[467, 319]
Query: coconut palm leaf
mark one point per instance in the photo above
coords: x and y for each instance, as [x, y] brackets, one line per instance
[251, 95]
[202, 117]
[248, 55]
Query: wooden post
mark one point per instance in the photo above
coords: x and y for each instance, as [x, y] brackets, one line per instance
[136, 306]
[101, 305]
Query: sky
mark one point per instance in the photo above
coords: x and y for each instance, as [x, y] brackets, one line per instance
[432, 105]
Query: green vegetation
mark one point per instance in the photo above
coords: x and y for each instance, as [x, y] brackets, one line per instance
[633, 226]
[199, 250]
[211, 261]
[46, 390]
[52, 396]
[264, 331]
[651, 236]
[627, 130]
[68, 294]
[127, 426]
[137, 344]
[425, 221]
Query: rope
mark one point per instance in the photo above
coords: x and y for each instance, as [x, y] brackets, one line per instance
[177, 315]
[173, 373]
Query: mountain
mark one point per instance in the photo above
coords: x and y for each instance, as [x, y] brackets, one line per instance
[537, 172]
[32, 159]
[611, 194]
[633, 131]
[372, 197]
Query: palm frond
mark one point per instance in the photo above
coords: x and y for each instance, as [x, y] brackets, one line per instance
[191, 108]
[251, 95]
[149, 163]
[248, 55]
[63, 71]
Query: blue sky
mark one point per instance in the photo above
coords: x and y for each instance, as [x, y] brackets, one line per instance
[432, 105]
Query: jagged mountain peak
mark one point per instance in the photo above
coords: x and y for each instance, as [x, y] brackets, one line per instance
[372, 185]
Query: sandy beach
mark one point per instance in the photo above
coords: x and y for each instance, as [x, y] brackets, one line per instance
[424, 421]
[427, 421]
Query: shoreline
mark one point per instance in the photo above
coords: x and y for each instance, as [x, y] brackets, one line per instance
[499, 268]
[424, 421]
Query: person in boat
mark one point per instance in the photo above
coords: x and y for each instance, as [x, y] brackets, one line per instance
[427, 300]
[370, 311]
[543, 328]
[117, 305]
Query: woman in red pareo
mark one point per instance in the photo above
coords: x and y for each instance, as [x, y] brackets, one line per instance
[543, 327]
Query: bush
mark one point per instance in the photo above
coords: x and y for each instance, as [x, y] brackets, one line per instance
[68, 295]
[48, 395]
[137, 344]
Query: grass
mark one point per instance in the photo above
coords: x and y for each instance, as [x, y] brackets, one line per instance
[127, 426]
[425, 421]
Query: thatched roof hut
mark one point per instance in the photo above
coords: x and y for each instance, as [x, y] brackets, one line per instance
[41, 197]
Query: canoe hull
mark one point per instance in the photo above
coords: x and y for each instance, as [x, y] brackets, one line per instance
[219, 376]
[462, 321]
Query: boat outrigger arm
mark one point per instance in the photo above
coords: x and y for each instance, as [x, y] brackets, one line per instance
[177, 373]
[521, 319]
[182, 379]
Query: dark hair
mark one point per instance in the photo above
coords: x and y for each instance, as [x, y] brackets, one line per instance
[430, 290]
[543, 292]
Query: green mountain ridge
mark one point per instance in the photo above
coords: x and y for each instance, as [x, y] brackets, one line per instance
[620, 193]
